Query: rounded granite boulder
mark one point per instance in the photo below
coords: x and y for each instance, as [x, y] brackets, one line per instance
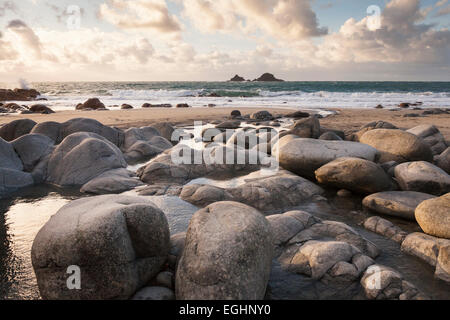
[227, 255]
[117, 244]
[433, 216]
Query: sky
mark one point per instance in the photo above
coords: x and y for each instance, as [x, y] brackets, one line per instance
[212, 40]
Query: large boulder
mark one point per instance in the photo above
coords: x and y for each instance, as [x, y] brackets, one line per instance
[305, 156]
[400, 204]
[328, 255]
[114, 135]
[142, 144]
[354, 174]
[227, 255]
[306, 128]
[59, 131]
[91, 104]
[443, 160]
[8, 157]
[262, 116]
[384, 283]
[119, 244]
[372, 126]
[40, 108]
[431, 136]
[422, 177]
[433, 216]
[16, 129]
[50, 129]
[267, 193]
[432, 250]
[18, 94]
[166, 130]
[397, 145]
[32, 148]
[12, 180]
[112, 182]
[82, 157]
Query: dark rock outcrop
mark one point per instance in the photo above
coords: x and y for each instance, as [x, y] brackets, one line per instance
[268, 77]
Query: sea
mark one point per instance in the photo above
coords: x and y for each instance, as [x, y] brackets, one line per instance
[297, 95]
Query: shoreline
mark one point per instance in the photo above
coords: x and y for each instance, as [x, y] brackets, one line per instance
[345, 119]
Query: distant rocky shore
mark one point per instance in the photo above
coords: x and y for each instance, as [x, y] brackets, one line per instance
[242, 235]
[266, 77]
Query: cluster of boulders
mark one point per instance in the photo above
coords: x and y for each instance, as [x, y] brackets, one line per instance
[95, 104]
[19, 94]
[79, 152]
[33, 109]
[122, 244]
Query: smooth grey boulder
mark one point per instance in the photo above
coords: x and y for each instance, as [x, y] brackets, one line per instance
[268, 193]
[443, 160]
[13, 180]
[72, 126]
[433, 216]
[166, 130]
[59, 131]
[423, 177]
[316, 258]
[401, 204]
[306, 128]
[330, 136]
[385, 228]
[16, 129]
[8, 157]
[431, 136]
[82, 157]
[228, 254]
[154, 294]
[384, 283]
[424, 246]
[50, 129]
[286, 226]
[354, 174]
[32, 148]
[112, 182]
[118, 242]
[142, 144]
[305, 156]
[397, 145]
[372, 126]
[432, 250]
[325, 251]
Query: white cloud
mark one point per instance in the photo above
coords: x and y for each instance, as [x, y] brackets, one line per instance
[285, 19]
[140, 14]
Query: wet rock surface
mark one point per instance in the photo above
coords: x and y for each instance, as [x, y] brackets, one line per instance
[271, 193]
[400, 204]
[397, 145]
[227, 255]
[422, 177]
[120, 243]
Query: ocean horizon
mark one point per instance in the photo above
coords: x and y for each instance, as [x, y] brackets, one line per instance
[293, 94]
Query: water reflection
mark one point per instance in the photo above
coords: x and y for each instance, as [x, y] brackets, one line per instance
[21, 217]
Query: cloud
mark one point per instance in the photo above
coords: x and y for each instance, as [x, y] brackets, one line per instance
[401, 38]
[26, 36]
[140, 14]
[281, 19]
[445, 10]
[6, 6]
